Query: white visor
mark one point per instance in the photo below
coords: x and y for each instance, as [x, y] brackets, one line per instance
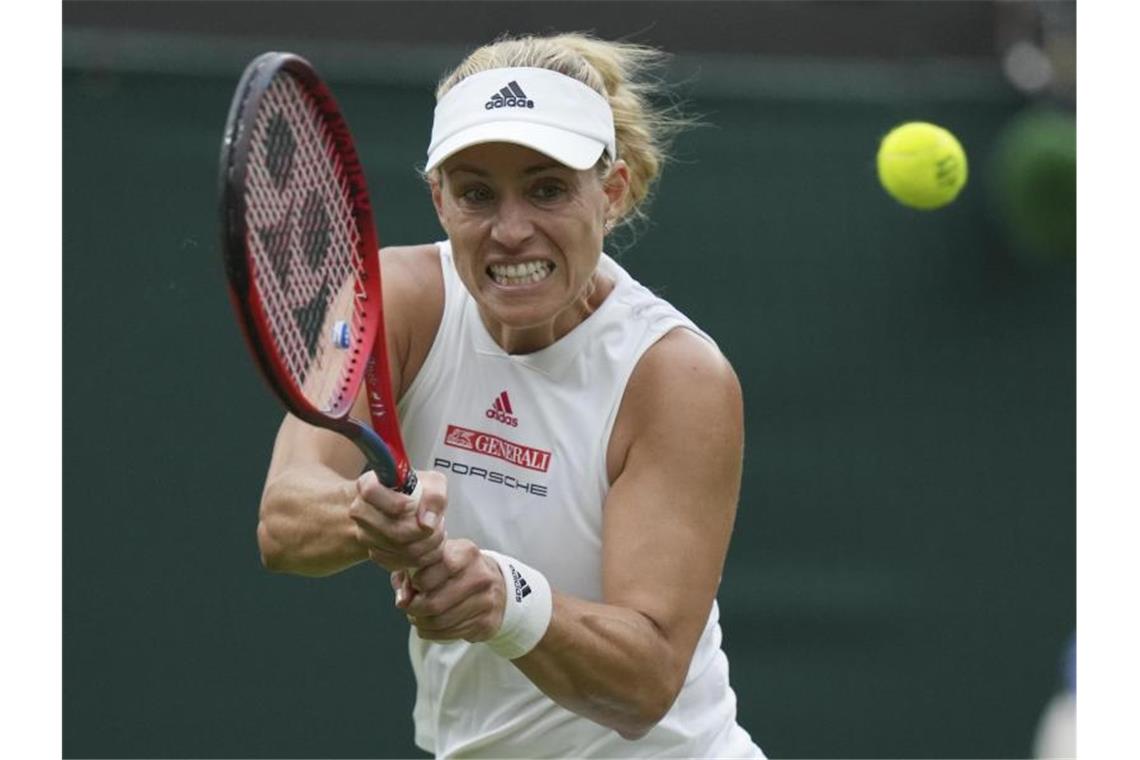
[539, 108]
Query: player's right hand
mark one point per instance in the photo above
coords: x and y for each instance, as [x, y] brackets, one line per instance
[463, 596]
[400, 533]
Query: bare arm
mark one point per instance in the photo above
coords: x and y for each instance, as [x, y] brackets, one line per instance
[668, 519]
[315, 518]
[675, 463]
[303, 522]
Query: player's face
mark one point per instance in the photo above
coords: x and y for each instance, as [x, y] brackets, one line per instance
[526, 232]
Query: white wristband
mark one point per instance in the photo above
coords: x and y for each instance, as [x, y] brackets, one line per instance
[529, 606]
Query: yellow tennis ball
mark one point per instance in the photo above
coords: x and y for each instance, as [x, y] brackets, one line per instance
[922, 165]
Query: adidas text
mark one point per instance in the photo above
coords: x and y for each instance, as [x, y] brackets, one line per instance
[498, 101]
[503, 417]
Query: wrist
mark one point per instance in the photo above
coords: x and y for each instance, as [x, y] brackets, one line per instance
[527, 607]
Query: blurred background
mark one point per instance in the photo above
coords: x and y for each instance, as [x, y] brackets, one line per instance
[901, 582]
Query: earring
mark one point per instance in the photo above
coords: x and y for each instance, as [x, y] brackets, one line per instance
[608, 227]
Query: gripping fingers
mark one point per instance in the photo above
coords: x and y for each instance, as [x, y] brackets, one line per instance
[471, 619]
[420, 554]
[403, 589]
[379, 529]
[380, 516]
[426, 551]
[430, 499]
[407, 527]
[456, 557]
[457, 595]
[392, 503]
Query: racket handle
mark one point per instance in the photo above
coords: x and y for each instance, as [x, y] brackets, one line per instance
[417, 489]
[412, 486]
[380, 459]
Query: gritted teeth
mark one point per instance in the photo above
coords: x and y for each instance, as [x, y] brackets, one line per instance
[519, 274]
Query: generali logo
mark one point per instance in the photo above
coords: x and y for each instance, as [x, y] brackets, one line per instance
[500, 448]
[500, 410]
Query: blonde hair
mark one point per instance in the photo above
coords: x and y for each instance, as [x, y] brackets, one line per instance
[622, 73]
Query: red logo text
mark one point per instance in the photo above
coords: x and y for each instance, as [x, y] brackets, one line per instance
[500, 448]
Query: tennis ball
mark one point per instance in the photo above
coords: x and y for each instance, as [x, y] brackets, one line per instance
[921, 165]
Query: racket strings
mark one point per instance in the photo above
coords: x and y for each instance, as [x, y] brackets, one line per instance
[305, 240]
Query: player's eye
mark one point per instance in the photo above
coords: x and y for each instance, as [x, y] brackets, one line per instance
[476, 195]
[548, 190]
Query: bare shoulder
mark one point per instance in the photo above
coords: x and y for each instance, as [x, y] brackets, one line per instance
[420, 263]
[682, 356]
[413, 278]
[683, 371]
[683, 391]
[413, 306]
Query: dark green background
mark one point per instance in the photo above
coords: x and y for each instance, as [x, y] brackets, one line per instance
[902, 577]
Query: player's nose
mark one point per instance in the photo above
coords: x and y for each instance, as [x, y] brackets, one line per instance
[513, 224]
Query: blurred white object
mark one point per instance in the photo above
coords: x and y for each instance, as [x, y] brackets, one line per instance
[1057, 731]
[1027, 66]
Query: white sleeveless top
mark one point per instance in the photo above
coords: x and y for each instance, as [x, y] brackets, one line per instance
[522, 440]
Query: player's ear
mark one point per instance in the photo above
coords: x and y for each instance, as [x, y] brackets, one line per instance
[616, 187]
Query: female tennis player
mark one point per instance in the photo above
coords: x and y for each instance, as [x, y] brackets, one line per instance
[579, 440]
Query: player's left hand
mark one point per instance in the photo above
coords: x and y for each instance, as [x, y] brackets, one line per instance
[462, 596]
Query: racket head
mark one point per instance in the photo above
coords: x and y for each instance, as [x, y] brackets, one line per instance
[298, 239]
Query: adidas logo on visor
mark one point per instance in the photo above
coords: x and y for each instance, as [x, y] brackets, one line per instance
[510, 96]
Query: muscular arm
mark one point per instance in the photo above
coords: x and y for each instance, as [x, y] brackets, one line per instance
[305, 522]
[668, 519]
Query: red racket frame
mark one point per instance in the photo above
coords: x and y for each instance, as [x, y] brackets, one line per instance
[385, 452]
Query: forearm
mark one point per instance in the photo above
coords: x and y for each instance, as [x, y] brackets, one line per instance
[610, 664]
[304, 526]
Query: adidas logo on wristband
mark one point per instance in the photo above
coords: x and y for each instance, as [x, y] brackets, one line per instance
[521, 587]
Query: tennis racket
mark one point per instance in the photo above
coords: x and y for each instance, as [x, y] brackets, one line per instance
[302, 257]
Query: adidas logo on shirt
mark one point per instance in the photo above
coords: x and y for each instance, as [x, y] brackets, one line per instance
[510, 96]
[501, 410]
[521, 586]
